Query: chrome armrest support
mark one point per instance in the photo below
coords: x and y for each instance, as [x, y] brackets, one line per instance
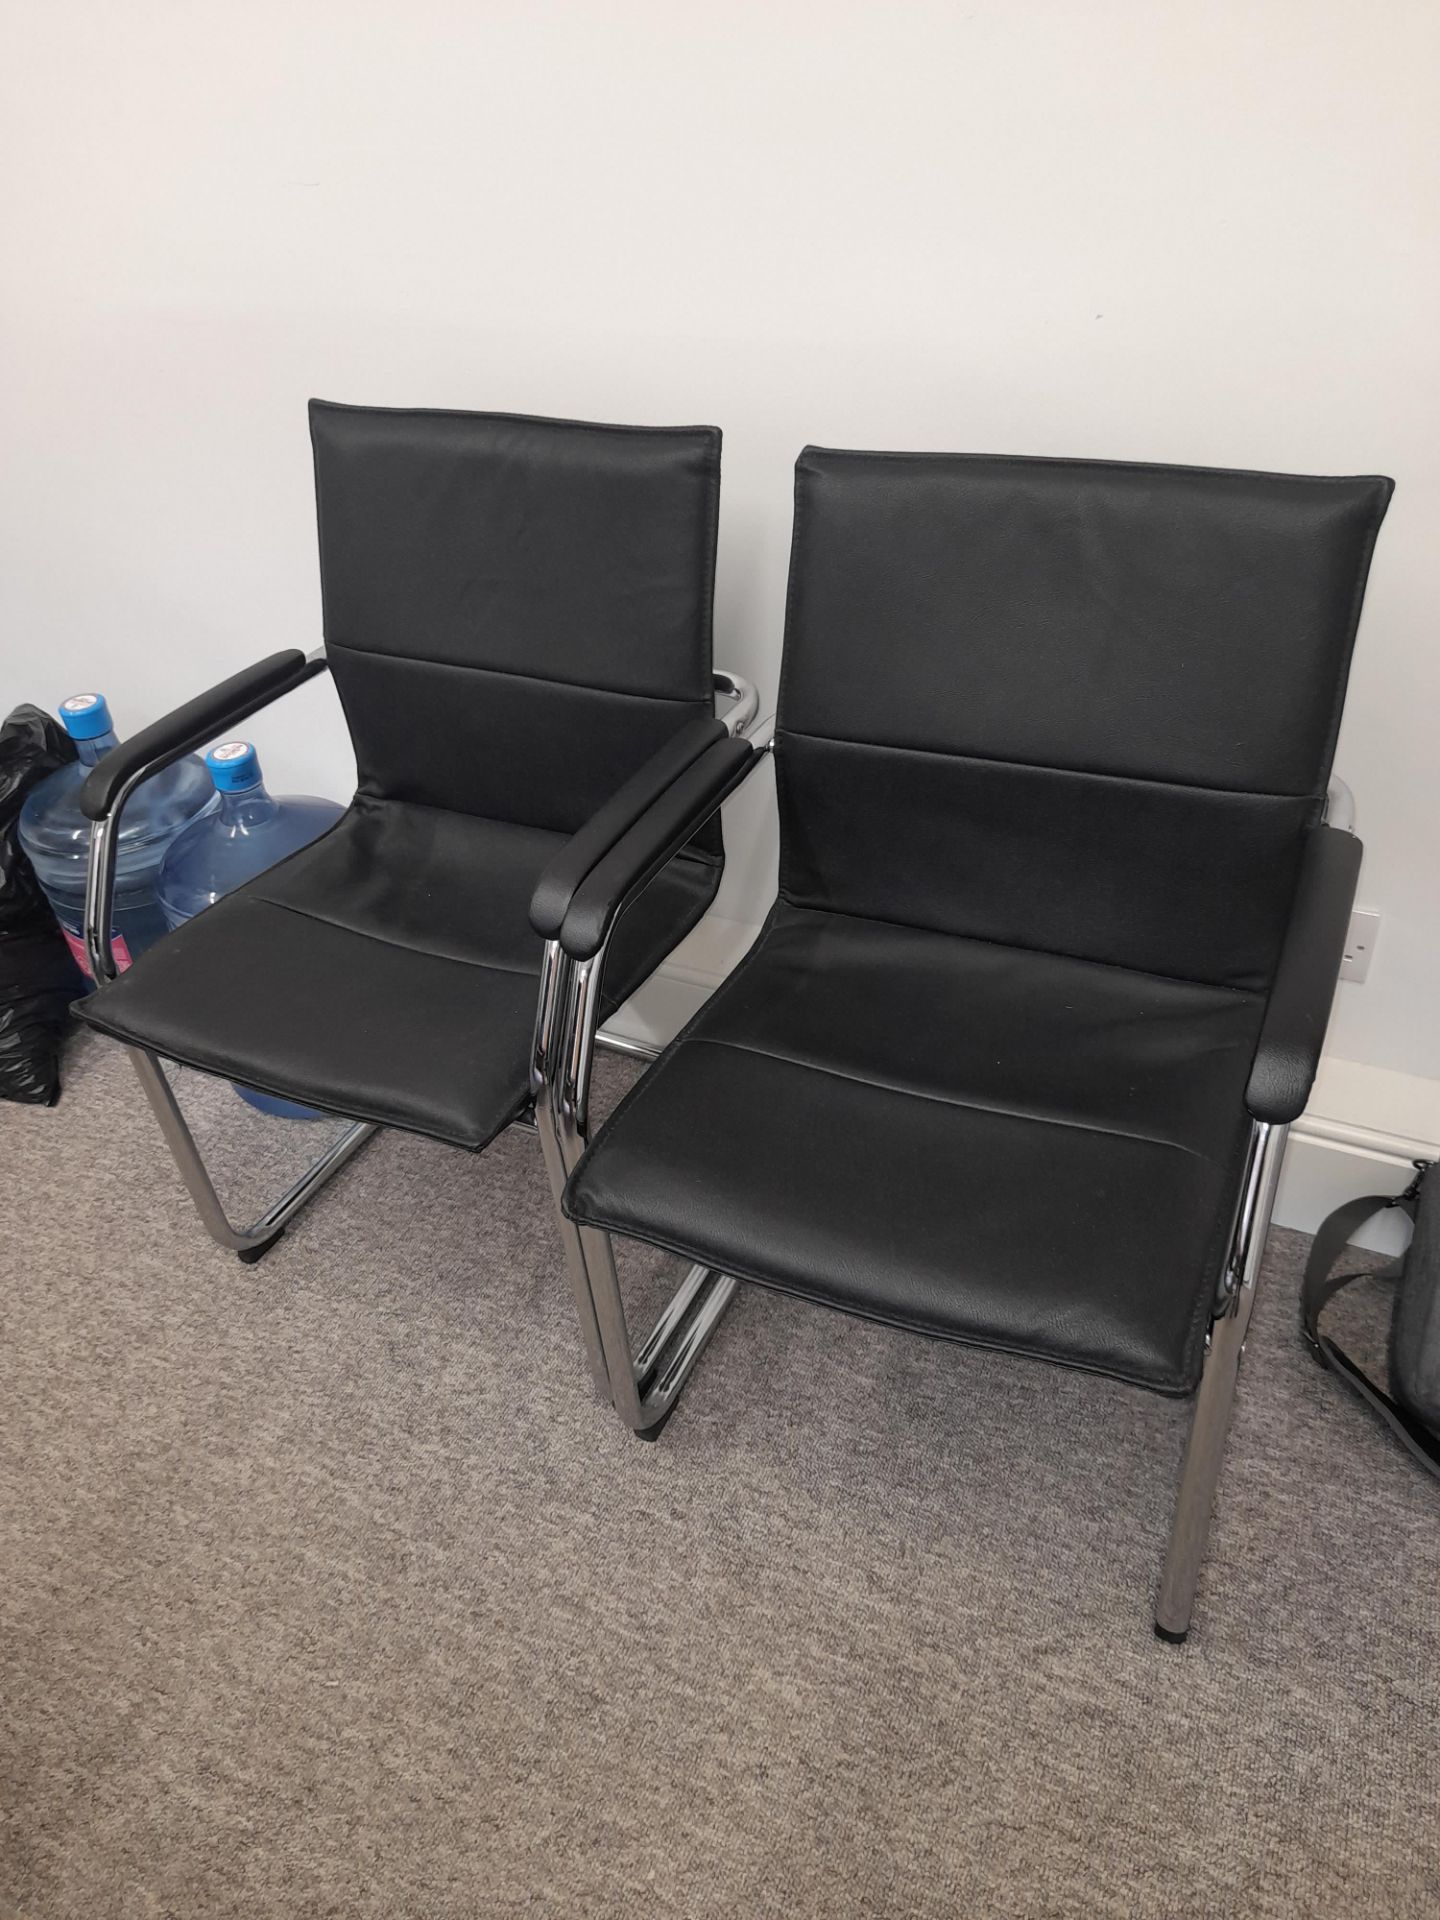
[105, 830]
[1340, 807]
[642, 1387]
[736, 701]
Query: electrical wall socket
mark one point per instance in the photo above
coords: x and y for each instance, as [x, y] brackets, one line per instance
[1360, 945]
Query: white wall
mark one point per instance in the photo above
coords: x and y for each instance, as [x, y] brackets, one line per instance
[1127, 228]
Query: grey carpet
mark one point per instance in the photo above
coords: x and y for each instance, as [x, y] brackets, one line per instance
[328, 1590]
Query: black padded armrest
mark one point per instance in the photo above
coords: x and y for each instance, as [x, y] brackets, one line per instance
[557, 884]
[655, 838]
[1305, 980]
[190, 726]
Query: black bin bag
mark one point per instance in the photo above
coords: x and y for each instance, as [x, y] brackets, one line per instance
[38, 979]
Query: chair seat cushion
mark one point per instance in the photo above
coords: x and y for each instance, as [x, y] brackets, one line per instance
[1013, 1148]
[387, 972]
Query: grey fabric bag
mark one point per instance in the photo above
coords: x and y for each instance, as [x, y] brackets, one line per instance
[1412, 1407]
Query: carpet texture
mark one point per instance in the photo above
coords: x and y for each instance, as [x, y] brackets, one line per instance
[327, 1589]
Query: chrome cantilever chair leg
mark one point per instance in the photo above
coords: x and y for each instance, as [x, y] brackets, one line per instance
[561, 1064]
[249, 1243]
[561, 1147]
[645, 1385]
[1225, 1344]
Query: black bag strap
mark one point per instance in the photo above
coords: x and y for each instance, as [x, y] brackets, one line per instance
[1320, 1286]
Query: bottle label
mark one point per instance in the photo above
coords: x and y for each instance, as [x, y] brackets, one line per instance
[77, 951]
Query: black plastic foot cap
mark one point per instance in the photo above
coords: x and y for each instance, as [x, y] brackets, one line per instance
[654, 1433]
[249, 1255]
[1172, 1638]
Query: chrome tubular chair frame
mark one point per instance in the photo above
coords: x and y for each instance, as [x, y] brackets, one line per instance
[104, 835]
[552, 1023]
[1225, 1343]
[642, 1384]
[248, 1242]
[1214, 1402]
[743, 701]
[738, 703]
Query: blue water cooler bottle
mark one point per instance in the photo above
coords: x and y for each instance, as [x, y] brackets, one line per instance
[56, 834]
[247, 832]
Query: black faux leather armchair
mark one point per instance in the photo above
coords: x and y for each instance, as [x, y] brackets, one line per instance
[1057, 932]
[517, 618]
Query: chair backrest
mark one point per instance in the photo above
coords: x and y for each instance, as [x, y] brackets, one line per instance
[517, 611]
[1077, 706]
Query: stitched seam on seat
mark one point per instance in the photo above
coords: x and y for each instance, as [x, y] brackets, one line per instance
[401, 946]
[380, 1113]
[513, 673]
[1040, 766]
[649, 1081]
[377, 799]
[694, 855]
[668, 1055]
[945, 1100]
[1258, 994]
[561, 838]
[1174, 1386]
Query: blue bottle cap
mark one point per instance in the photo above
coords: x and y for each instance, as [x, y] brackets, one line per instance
[85, 716]
[233, 766]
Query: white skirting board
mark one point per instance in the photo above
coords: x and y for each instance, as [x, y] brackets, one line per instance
[1363, 1127]
[1359, 1134]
